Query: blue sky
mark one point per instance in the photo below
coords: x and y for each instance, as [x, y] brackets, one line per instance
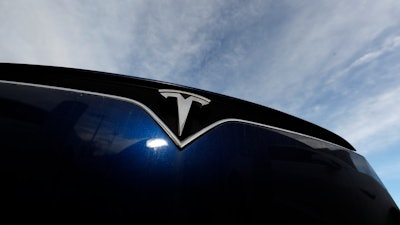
[333, 63]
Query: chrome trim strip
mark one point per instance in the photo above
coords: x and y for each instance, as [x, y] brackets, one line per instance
[186, 141]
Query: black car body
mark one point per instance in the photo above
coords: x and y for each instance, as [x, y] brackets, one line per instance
[82, 144]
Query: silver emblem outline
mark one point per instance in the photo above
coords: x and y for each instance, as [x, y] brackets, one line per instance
[183, 104]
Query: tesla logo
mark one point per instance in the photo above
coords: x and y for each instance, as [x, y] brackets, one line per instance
[184, 101]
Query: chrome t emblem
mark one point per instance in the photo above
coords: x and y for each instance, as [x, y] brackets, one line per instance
[184, 104]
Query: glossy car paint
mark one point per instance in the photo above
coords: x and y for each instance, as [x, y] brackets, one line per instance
[77, 151]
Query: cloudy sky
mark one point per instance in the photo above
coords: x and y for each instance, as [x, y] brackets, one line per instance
[334, 63]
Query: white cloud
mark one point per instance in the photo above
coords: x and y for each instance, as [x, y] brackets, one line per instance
[366, 58]
[387, 168]
[311, 43]
[373, 123]
[269, 44]
[74, 33]
[390, 44]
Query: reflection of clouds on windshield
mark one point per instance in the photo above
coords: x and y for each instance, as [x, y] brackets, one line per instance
[102, 131]
[105, 134]
[110, 126]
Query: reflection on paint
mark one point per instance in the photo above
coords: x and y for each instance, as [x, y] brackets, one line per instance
[156, 143]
